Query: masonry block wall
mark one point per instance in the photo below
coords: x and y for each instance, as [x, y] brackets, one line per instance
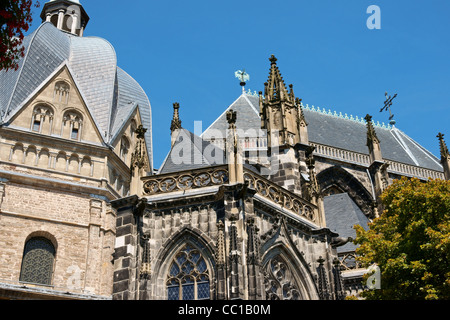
[79, 225]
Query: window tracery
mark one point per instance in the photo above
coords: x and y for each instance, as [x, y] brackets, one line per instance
[279, 281]
[188, 277]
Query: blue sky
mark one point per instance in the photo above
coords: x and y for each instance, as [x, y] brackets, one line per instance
[188, 51]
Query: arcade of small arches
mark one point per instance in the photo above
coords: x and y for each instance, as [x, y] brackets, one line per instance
[45, 158]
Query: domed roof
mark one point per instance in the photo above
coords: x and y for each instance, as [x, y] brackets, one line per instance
[110, 93]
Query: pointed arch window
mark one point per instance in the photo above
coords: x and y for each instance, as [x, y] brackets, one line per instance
[37, 262]
[188, 277]
[279, 281]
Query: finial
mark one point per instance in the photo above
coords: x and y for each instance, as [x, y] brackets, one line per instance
[176, 122]
[231, 118]
[371, 134]
[272, 59]
[444, 150]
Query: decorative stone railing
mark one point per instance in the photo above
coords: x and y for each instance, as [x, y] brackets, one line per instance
[406, 169]
[282, 197]
[364, 160]
[341, 154]
[218, 175]
[185, 180]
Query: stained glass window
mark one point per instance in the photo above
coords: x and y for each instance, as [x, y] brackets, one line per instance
[37, 262]
[188, 277]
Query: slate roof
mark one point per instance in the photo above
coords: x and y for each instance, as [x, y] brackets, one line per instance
[336, 131]
[341, 215]
[247, 110]
[109, 92]
[191, 152]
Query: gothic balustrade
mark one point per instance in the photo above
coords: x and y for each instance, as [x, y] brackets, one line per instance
[281, 196]
[185, 180]
[363, 160]
[218, 175]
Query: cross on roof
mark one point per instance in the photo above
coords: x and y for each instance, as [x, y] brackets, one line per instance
[387, 106]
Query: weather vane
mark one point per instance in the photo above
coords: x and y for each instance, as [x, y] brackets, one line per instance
[243, 76]
[387, 106]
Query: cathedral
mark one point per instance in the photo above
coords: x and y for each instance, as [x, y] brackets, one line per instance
[259, 206]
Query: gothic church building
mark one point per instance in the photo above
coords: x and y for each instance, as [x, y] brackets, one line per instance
[260, 206]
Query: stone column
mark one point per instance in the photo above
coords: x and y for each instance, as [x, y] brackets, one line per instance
[60, 19]
[74, 23]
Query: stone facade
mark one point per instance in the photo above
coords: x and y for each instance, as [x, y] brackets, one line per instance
[244, 240]
[77, 188]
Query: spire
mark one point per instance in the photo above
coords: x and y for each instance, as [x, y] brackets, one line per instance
[378, 167]
[66, 15]
[280, 111]
[445, 156]
[175, 125]
[371, 134]
[275, 89]
[176, 122]
[234, 150]
[372, 140]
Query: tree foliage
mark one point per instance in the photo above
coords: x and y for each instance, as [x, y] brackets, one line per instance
[410, 241]
[15, 19]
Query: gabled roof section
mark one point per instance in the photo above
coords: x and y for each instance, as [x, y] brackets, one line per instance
[191, 152]
[341, 215]
[247, 112]
[45, 50]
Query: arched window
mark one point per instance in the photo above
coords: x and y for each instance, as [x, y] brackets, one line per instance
[54, 20]
[67, 21]
[37, 262]
[61, 92]
[41, 113]
[188, 277]
[75, 121]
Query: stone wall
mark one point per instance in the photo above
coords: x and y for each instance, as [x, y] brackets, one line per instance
[80, 226]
